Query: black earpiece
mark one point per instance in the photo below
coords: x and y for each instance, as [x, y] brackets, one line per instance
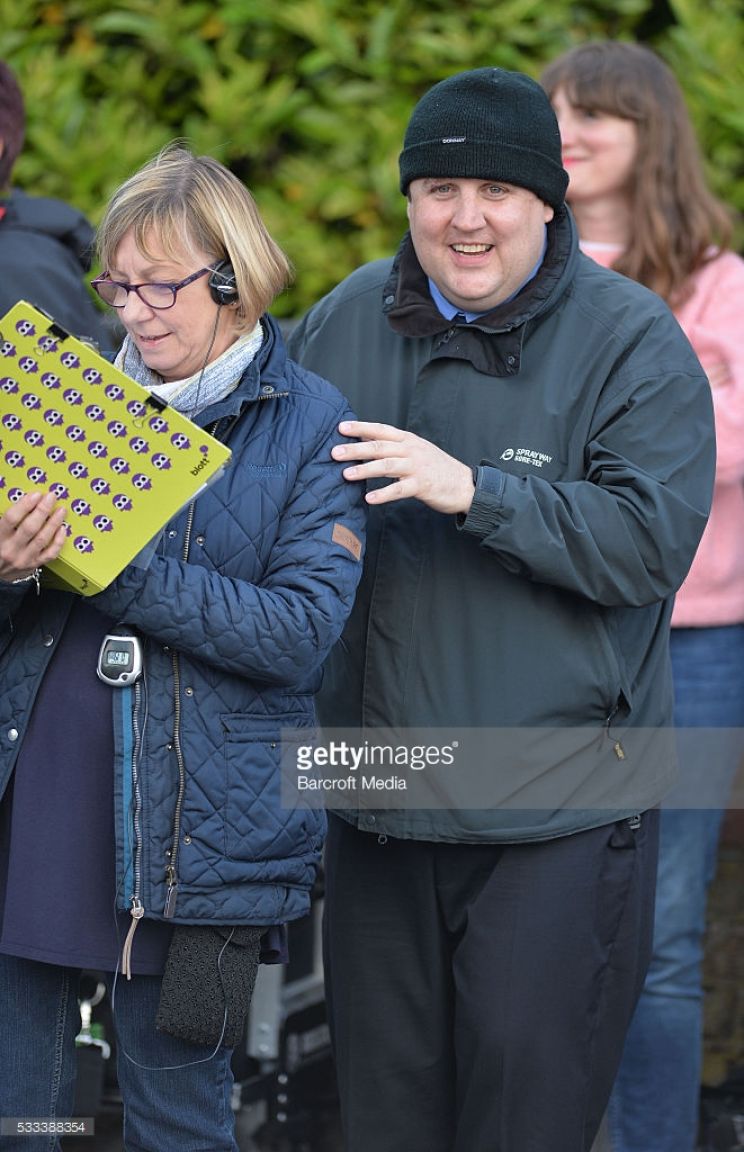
[222, 283]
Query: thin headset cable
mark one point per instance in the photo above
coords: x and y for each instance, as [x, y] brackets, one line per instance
[195, 407]
[213, 1053]
[122, 1049]
[189, 1063]
[185, 383]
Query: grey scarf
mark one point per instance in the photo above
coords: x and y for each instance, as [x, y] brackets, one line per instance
[196, 392]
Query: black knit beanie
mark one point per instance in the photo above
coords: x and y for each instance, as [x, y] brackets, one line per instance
[487, 124]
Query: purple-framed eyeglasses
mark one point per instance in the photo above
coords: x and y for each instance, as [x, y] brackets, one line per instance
[154, 295]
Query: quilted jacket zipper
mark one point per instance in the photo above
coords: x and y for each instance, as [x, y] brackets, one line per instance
[171, 871]
[137, 910]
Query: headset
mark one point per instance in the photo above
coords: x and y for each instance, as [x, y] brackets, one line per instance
[222, 283]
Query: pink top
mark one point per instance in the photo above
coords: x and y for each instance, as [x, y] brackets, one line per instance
[713, 320]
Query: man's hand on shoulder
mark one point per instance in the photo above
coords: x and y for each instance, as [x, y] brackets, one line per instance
[418, 469]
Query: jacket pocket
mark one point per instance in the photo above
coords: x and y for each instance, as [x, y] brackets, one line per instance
[256, 825]
[613, 678]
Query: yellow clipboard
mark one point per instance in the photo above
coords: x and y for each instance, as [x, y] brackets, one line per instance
[121, 460]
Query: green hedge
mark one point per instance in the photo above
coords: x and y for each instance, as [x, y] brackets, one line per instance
[307, 100]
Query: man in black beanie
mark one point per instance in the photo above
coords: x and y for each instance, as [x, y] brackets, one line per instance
[537, 439]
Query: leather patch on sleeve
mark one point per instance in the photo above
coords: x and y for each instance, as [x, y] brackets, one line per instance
[348, 540]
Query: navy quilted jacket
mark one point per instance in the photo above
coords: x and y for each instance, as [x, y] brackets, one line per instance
[234, 639]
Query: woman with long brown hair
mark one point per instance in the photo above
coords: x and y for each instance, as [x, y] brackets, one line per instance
[638, 191]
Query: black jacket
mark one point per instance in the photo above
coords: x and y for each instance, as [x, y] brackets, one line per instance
[535, 631]
[45, 250]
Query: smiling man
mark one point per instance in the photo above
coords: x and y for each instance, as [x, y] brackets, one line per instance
[537, 440]
[477, 240]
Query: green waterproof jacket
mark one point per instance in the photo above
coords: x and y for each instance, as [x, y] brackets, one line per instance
[530, 637]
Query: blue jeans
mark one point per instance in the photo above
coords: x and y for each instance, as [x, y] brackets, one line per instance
[655, 1102]
[176, 1095]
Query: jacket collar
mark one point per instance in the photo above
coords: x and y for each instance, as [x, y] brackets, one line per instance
[410, 310]
[263, 379]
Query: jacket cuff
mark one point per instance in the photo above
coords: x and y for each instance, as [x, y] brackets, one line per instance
[487, 502]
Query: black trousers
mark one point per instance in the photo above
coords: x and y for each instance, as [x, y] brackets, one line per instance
[479, 995]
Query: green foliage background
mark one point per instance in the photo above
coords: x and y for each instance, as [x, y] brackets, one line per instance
[307, 100]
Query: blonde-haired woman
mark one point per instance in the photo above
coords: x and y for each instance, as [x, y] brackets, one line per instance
[642, 205]
[141, 829]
